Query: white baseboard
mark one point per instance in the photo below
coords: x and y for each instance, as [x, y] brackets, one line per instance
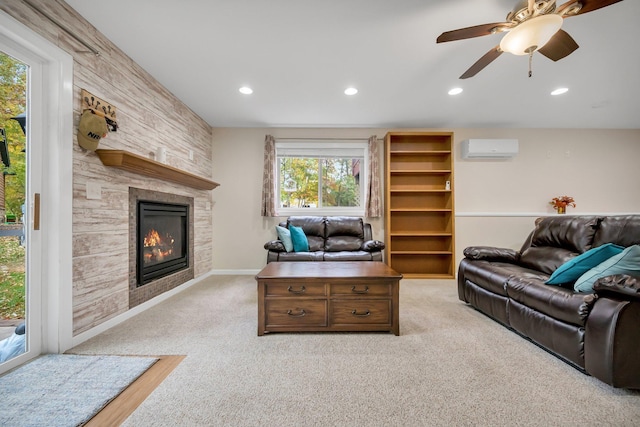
[240, 272]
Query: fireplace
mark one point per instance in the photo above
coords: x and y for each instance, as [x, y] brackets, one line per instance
[162, 241]
[166, 222]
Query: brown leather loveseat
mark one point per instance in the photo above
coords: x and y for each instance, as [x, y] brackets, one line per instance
[597, 331]
[331, 238]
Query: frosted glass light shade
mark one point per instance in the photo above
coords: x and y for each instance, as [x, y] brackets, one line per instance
[534, 33]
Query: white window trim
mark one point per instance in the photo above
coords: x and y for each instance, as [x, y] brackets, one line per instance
[292, 145]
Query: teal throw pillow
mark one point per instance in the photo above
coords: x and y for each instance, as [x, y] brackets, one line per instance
[300, 242]
[571, 270]
[626, 262]
[285, 237]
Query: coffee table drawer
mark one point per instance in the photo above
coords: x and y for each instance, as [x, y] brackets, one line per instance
[371, 312]
[295, 290]
[356, 289]
[284, 312]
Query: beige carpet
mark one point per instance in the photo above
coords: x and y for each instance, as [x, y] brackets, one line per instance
[450, 366]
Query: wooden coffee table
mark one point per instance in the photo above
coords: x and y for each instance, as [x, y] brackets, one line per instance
[328, 296]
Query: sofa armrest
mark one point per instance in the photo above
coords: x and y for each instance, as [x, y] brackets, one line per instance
[275, 246]
[620, 285]
[489, 253]
[372, 246]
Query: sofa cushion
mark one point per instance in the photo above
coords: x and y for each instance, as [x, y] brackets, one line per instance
[344, 234]
[546, 259]
[314, 229]
[491, 276]
[626, 262]
[300, 256]
[285, 237]
[571, 270]
[559, 303]
[623, 230]
[347, 256]
[574, 233]
[300, 242]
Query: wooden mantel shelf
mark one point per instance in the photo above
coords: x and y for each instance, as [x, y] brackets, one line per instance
[141, 165]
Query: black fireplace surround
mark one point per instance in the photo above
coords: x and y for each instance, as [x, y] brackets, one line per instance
[162, 246]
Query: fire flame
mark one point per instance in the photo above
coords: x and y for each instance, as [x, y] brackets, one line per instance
[152, 238]
[158, 247]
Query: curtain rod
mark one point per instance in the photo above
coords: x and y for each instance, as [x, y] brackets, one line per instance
[326, 139]
[71, 33]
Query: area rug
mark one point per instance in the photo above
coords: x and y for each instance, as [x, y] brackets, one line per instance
[65, 389]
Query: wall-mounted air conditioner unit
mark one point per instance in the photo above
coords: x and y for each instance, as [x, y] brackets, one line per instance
[489, 148]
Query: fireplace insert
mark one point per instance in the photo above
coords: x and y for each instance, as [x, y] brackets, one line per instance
[162, 246]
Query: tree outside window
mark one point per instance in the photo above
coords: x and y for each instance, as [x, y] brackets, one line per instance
[320, 179]
[13, 83]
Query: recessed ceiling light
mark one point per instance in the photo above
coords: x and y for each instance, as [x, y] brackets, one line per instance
[350, 91]
[455, 91]
[246, 90]
[560, 91]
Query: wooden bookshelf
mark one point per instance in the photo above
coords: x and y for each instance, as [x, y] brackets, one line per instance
[419, 208]
[141, 165]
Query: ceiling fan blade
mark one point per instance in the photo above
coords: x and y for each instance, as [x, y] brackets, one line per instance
[587, 6]
[559, 46]
[487, 59]
[475, 31]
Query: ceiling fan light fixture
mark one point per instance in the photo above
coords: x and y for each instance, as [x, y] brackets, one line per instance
[531, 35]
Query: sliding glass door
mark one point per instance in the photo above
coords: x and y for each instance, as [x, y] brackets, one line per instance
[20, 260]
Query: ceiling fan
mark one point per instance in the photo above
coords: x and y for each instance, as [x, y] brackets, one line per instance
[533, 25]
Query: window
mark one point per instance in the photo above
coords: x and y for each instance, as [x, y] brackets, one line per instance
[321, 178]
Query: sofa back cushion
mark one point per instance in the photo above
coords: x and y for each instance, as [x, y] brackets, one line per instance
[314, 229]
[545, 258]
[557, 239]
[344, 233]
[621, 230]
[574, 233]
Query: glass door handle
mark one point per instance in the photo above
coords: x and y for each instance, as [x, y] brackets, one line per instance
[36, 211]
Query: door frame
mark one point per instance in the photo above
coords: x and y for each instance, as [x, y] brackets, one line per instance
[52, 125]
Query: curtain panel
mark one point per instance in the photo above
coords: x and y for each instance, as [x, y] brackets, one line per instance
[373, 208]
[268, 177]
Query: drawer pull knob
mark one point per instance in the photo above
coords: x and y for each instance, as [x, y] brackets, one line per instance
[301, 314]
[362, 291]
[301, 291]
[365, 314]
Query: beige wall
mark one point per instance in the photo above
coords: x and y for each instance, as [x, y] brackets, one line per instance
[496, 200]
[149, 117]
[600, 172]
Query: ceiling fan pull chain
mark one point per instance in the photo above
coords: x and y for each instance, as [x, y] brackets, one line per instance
[530, 59]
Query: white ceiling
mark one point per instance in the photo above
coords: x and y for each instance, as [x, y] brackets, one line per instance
[300, 55]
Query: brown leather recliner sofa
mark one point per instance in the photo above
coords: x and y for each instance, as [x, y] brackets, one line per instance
[598, 332]
[331, 238]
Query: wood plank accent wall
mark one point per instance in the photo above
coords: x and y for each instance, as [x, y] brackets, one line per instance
[149, 116]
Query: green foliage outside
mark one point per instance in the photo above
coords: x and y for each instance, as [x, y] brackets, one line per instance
[339, 185]
[13, 88]
[12, 275]
[299, 182]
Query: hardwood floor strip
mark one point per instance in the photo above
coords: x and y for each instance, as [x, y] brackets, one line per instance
[126, 402]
